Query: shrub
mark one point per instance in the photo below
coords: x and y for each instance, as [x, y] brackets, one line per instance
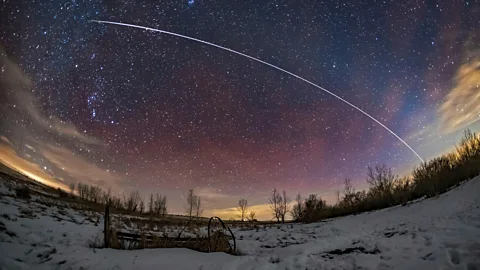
[429, 179]
[23, 193]
[312, 209]
[61, 193]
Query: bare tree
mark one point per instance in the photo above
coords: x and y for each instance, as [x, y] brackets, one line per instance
[198, 207]
[72, 188]
[160, 205]
[337, 196]
[151, 205]
[275, 203]
[242, 208]
[107, 197]
[86, 191]
[81, 191]
[348, 193]
[157, 205]
[132, 201]
[469, 147]
[95, 194]
[381, 180]
[252, 216]
[141, 206]
[117, 203]
[348, 190]
[284, 205]
[194, 204]
[297, 207]
[191, 202]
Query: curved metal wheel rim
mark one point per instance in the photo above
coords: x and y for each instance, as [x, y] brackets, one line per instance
[225, 228]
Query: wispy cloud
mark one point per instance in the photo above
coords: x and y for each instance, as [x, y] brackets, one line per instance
[459, 110]
[9, 157]
[210, 193]
[52, 141]
[262, 212]
[16, 86]
[78, 168]
[5, 140]
[12, 77]
[462, 105]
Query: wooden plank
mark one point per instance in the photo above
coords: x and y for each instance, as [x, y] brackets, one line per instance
[149, 238]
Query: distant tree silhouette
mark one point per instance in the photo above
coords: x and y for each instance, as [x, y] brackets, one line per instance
[141, 207]
[191, 202]
[252, 216]
[107, 197]
[160, 205]
[337, 196]
[381, 180]
[72, 188]
[151, 205]
[348, 192]
[131, 202]
[297, 208]
[284, 207]
[198, 207]
[242, 208]
[275, 203]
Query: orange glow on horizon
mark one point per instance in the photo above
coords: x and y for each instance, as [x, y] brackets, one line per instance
[9, 158]
[263, 212]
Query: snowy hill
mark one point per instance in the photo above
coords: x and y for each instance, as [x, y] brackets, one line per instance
[436, 233]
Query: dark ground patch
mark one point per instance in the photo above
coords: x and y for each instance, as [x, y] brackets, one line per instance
[338, 252]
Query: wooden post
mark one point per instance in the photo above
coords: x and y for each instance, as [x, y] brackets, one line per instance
[106, 226]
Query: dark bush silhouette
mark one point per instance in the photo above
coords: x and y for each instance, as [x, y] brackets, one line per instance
[386, 189]
[61, 193]
[23, 192]
[312, 209]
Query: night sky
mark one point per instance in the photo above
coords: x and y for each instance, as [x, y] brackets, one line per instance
[131, 109]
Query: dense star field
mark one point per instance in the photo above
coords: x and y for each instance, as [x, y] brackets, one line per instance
[132, 109]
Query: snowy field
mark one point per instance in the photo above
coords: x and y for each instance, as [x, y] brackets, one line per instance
[436, 233]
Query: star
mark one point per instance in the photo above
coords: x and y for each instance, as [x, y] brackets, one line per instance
[126, 108]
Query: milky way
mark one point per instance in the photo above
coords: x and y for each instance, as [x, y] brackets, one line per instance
[138, 110]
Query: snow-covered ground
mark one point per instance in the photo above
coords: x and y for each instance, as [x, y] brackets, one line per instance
[436, 233]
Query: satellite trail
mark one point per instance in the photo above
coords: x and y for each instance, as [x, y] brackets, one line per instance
[268, 64]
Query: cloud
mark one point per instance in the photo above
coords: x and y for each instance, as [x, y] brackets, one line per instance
[62, 128]
[30, 147]
[76, 167]
[210, 193]
[461, 107]
[53, 143]
[12, 77]
[9, 157]
[5, 140]
[262, 212]
[16, 90]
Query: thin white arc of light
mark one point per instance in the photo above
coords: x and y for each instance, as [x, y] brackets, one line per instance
[270, 65]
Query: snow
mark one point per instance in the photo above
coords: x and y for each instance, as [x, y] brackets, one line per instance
[436, 233]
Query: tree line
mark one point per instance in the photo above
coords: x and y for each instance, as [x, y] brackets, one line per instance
[133, 202]
[385, 188]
